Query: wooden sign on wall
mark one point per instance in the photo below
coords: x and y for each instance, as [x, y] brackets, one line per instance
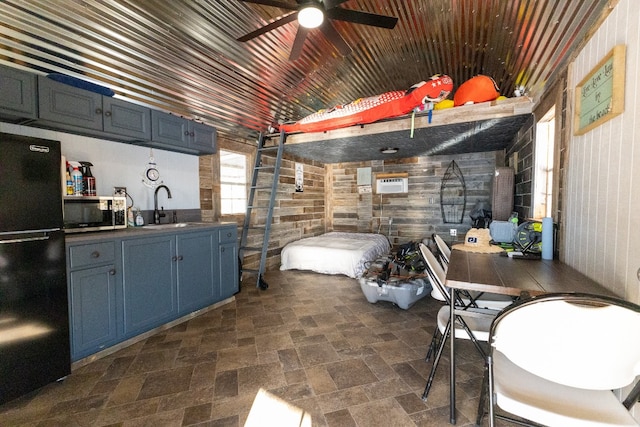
[600, 95]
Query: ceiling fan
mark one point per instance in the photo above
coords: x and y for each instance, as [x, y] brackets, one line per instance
[318, 13]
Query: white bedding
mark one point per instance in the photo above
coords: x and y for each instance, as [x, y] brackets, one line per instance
[334, 253]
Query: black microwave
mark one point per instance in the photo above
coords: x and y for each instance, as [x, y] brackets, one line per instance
[82, 213]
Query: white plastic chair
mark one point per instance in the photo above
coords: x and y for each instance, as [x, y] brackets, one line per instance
[472, 324]
[443, 250]
[555, 359]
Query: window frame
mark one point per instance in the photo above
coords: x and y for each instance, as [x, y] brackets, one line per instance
[222, 182]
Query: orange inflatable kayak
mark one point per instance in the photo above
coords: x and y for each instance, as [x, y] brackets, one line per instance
[374, 108]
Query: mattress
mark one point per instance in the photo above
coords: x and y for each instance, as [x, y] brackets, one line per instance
[334, 253]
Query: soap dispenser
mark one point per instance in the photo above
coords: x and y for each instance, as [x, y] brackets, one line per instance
[139, 219]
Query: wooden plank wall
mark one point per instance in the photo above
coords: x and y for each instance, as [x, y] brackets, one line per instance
[296, 214]
[415, 215]
[521, 156]
[210, 178]
[330, 199]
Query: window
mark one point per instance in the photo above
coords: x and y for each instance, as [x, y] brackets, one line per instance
[233, 183]
[543, 174]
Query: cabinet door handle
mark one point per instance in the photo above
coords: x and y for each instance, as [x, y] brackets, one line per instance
[112, 272]
[174, 258]
[107, 113]
[186, 133]
[222, 249]
[192, 134]
[98, 110]
[180, 258]
[95, 254]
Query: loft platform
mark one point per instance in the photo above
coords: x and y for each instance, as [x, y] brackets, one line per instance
[487, 126]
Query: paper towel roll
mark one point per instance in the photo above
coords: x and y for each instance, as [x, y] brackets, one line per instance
[547, 238]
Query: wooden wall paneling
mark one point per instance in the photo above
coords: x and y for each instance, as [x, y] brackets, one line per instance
[330, 200]
[207, 187]
[296, 215]
[523, 150]
[416, 214]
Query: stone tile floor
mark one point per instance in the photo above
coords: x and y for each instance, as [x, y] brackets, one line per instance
[310, 339]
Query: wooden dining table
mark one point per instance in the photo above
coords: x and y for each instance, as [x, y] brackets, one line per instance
[520, 278]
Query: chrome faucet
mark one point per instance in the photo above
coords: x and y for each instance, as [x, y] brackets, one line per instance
[156, 213]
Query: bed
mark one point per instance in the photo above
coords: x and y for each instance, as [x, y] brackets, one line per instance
[334, 253]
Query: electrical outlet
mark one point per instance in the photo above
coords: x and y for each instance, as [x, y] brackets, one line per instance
[453, 232]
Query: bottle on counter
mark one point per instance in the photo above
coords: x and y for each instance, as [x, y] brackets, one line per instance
[76, 178]
[139, 219]
[131, 222]
[69, 191]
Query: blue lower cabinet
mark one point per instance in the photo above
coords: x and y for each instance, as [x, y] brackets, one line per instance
[149, 280]
[196, 271]
[228, 274]
[93, 305]
[122, 287]
[229, 282]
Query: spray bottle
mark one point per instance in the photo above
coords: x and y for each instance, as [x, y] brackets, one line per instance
[88, 180]
[76, 179]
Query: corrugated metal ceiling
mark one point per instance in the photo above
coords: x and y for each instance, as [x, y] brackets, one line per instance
[182, 55]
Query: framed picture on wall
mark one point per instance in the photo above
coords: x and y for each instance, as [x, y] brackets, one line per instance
[600, 95]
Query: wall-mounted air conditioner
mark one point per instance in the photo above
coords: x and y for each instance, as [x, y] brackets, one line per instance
[392, 183]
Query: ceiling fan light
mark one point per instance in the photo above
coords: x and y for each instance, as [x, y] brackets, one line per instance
[310, 17]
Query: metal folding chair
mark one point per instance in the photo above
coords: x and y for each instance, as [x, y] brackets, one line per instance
[472, 323]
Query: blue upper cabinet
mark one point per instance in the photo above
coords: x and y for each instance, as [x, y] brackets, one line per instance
[17, 95]
[68, 107]
[126, 119]
[203, 138]
[40, 101]
[173, 132]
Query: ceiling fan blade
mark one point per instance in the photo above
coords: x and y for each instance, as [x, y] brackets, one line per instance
[329, 4]
[335, 38]
[272, 26]
[365, 18]
[296, 49]
[274, 3]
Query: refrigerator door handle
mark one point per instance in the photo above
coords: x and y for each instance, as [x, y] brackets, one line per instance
[26, 239]
[28, 236]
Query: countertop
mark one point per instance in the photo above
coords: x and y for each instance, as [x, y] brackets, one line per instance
[148, 230]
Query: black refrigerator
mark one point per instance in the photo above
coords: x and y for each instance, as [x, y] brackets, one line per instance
[34, 316]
